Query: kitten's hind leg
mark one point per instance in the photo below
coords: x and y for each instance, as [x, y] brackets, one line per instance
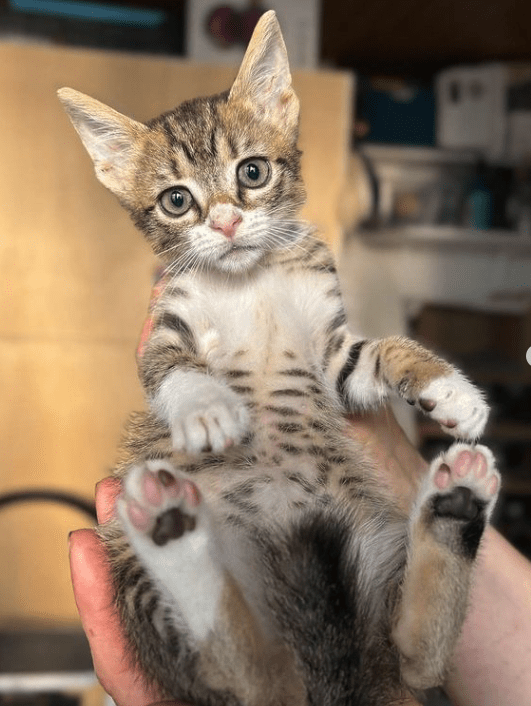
[169, 527]
[452, 511]
[175, 537]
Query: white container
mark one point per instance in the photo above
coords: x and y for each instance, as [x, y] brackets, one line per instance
[471, 109]
[426, 177]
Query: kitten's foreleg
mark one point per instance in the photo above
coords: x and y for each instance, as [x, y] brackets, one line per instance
[451, 513]
[368, 370]
[203, 413]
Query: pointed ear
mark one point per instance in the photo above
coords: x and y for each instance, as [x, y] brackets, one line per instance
[109, 137]
[264, 78]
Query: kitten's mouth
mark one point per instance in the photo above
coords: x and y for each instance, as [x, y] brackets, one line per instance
[239, 257]
[235, 249]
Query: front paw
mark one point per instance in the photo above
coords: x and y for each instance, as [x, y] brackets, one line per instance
[213, 420]
[456, 404]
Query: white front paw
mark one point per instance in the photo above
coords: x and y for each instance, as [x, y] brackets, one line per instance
[210, 424]
[204, 414]
[456, 404]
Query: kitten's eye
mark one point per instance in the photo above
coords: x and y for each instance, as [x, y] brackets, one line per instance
[176, 202]
[254, 172]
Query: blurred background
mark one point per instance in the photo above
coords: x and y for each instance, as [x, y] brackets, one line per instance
[416, 132]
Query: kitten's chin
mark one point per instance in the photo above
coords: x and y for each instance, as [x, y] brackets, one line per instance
[238, 259]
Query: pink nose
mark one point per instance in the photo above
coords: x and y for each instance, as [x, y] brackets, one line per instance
[225, 218]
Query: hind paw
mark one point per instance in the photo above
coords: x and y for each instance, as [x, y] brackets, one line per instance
[159, 503]
[463, 478]
[170, 529]
[459, 495]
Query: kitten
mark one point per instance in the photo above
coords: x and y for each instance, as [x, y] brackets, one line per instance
[256, 559]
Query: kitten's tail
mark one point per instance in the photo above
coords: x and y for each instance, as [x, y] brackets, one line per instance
[320, 613]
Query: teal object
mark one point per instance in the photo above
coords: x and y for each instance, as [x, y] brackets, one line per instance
[92, 11]
[479, 206]
[403, 117]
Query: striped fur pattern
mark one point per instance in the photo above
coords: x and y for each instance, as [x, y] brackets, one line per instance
[256, 560]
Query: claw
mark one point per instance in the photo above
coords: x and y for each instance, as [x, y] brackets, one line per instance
[427, 405]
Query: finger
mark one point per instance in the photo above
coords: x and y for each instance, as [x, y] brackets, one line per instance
[107, 490]
[92, 584]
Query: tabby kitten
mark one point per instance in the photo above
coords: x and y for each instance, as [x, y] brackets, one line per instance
[257, 562]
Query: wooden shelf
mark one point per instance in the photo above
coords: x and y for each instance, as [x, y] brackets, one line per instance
[451, 237]
[501, 431]
[519, 376]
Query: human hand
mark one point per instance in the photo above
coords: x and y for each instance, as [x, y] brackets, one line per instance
[398, 464]
[92, 582]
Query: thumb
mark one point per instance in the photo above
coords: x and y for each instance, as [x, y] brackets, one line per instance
[92, 583]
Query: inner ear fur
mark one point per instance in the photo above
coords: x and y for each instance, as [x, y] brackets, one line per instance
[264, 78]
[109, 137]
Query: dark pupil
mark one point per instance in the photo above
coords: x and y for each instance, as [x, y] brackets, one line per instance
[253, 172]
[177, 199]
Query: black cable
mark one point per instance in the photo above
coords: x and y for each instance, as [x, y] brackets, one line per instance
[44, 495]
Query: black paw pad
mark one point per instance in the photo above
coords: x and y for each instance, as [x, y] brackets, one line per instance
[171, 524]
[465, 535]
[460, 503]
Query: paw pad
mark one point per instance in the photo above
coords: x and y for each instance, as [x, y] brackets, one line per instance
[171, 524]
[158, 503]
[464, 480]
[460, 503]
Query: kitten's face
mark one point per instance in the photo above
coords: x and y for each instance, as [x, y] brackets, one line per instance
[216, 186]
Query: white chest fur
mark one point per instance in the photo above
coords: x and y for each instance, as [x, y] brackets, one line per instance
[260, 316]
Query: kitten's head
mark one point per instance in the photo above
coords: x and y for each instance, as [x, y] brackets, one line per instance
[216, 182]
